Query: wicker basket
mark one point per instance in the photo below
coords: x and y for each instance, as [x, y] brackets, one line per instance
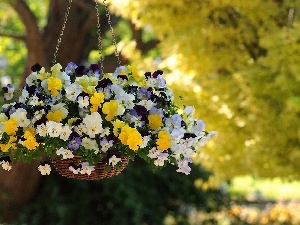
[62, 167]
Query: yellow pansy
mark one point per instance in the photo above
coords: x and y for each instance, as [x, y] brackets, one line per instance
[131, 137]
[118, 124]
[134, 72]
[72, 120]
[155, 121]
[96, 101]
[11, 126]
[123, 136]
[54, 85]
[11, 144]
[134, 140]
[87, 83]
[56, 69]
[42, 75]
[164, 140]
[31, 130]
[110, 109]
[30, 141]
[55, 116]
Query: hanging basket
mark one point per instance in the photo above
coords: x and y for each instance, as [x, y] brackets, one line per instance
[100, 172]
[76, 114]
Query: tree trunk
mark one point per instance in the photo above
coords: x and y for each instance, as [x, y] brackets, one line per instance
[18, 186]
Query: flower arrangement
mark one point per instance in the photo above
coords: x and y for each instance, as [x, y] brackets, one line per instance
[99, 117]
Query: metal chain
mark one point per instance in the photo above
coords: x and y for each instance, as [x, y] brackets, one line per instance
[112, 32]
[99, 38]
[62, 31]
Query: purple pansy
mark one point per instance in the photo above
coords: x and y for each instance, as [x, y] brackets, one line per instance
[144, 94]
[71, 68]
[94, 71]
[74, 142]
[36, 67]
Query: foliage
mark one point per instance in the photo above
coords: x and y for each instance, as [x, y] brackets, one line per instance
[120, 200]
[242, 60]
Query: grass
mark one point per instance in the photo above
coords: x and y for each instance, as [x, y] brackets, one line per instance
[270, 189]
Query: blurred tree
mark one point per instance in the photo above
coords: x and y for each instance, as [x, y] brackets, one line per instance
[242, 59]
[37, 25]
[236, 61]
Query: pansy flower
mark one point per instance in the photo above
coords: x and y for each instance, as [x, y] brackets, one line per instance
[8, 92]
[74, 141]
[44, 168]
[94, 71]
[97, 116]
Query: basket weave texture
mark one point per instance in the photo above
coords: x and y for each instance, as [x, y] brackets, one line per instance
[62, 167]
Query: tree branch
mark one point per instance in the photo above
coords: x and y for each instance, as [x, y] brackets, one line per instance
[26, 15]
[14, 36]
[85, 6]
[140, 44]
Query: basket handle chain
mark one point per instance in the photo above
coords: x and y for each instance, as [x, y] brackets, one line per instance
[112, 34]
[98, 32]
[62, 31]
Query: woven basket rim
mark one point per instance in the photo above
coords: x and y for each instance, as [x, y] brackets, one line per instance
[62, 167]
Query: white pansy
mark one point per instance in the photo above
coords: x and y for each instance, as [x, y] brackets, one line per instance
[121, 70]
[42, 130]
[86, 168]
[117, 89]
[83, 101]
[145, 141]
[20, 116]
[205, 138]
[80, 129]
[161, 158]
[45, 169]
[5, 165]
[89, 143]
[67, 154]
[105, 144]
[138, 122]
[65, 133]
[65, 78]
[35, 101]
[107, 92]
[178, 133]
[189, 110]
[75, 171]
[169, 94]
[3, 117]
[24, 95]
[153, 152]
[31, 78]
[196, 127]
[93, 124]
[183, 166]
[54, 129]
[126, 99]
[148, 104]
[120, 110]
[105, 132]
[38, 115]
[114, 160]
[160, 81]
[72, 91]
